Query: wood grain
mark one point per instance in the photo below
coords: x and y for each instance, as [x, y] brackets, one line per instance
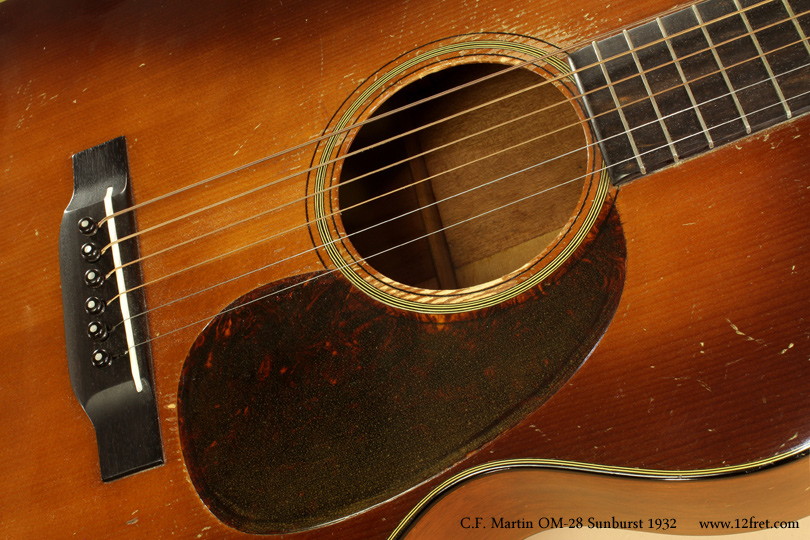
[706, 364]
[516, 504]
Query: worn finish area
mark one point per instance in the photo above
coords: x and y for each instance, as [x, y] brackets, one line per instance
[705, 364]
[310, 401]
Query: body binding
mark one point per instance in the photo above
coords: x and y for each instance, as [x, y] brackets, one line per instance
[704, 366]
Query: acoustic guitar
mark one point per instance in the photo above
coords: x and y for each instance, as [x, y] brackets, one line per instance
[330, 269]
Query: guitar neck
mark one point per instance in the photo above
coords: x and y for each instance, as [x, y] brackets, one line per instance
[684, 83]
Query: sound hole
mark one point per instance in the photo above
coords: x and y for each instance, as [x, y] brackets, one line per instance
[475, 210]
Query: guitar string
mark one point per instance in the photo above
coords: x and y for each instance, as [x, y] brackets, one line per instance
[356, 263]
[458, 194]
[298, 173]
[380, 143]
[328, 272]
[428, 178]
[310, 250]
[351, 127]
[320, 138]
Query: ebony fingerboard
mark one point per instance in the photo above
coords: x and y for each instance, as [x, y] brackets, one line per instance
[694, 79]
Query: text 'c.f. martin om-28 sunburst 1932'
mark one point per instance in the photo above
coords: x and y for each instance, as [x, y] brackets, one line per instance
[332, 269]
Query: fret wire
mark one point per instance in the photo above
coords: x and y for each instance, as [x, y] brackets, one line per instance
[619, 108]
[765, 61]
[795, 20]
[686, 84]
[713, 48]
[653, 98]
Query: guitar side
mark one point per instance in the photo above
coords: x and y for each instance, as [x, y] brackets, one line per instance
[519, 499]
[705, 365]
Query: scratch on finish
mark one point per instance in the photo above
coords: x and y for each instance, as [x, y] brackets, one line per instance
[740, 333]
[323, 61]
[246, 140]
[786, 348]
[704, 385]
[795, 435]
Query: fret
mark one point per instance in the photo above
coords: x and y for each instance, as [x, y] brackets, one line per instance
[801, 8]
[697, 60]
[794, 83]
[653, 98]
[598, 102]
[722, 70]
[764, 58]
[612, 89]
[686, 84]
[694, 79]
[680, 114]
[795, 22]
[638, 108]
[746, 64]
[786, 48]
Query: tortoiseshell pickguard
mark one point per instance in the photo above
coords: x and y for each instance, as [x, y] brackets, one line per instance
[313, 401]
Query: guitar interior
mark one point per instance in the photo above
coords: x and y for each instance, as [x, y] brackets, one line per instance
[444, 215]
